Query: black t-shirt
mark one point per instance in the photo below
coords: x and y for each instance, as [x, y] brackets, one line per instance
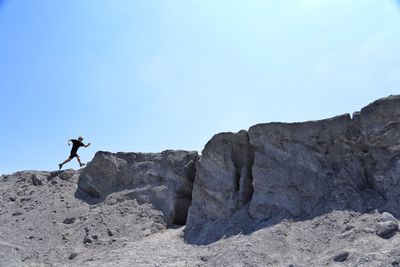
[76, 144]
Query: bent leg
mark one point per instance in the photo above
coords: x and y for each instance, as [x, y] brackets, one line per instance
[80, 163]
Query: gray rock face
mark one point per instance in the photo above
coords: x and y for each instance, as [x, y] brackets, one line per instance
[223, 181]
[299, 170]
[164, 180]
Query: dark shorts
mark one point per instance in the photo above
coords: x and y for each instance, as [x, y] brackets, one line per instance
[73, 155]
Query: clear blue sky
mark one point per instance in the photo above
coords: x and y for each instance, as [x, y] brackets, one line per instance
[150, 75]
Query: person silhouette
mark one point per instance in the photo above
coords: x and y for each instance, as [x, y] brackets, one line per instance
[76, 144]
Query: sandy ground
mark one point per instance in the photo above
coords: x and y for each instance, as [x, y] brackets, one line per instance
[43, 223]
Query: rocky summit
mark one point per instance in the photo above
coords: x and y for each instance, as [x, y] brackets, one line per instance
[279, 194]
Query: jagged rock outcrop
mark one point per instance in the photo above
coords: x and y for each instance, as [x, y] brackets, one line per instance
[164, 179]
[298, 170]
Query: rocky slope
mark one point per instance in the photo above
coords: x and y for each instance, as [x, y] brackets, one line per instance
[280, 194]
[43, 222]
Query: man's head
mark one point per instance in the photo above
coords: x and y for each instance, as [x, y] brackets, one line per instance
[80, 138]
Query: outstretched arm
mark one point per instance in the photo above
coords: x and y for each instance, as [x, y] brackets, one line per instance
[69, 141]
[87, 145]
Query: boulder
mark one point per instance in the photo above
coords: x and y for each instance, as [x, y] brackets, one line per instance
[341, 256]
[387, 217]
[164, 179]
[70, 220]
[38, 179]
[386, 230]
[74, 254]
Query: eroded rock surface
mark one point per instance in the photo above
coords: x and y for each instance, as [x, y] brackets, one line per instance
[164, 179]
[298, 170]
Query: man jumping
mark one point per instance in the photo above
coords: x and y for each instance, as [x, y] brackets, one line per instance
[76, 144]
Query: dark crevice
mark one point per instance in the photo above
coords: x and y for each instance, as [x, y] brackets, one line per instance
[238, 172]
[243, 158]
[247, 183]
[181, 211]
[182, 204]
[368, 181]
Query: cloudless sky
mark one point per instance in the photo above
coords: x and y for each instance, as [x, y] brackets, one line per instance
[150, 75]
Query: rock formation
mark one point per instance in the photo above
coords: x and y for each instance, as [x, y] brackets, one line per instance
[164, 180]
[298, 171]
[319, 193]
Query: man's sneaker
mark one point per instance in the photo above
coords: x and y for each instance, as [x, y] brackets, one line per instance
[83, 164]
[60, 166]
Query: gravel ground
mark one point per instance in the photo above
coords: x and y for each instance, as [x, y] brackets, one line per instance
[43, 223]
[309, 243]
